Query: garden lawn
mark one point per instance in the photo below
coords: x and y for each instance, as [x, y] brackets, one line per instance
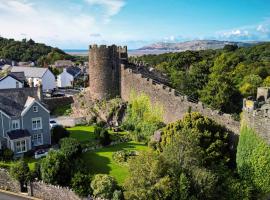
[101, 162]
[82, 133]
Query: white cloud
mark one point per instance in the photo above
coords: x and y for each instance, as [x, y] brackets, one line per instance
[59, 26]
[112, 6]
[259, 32]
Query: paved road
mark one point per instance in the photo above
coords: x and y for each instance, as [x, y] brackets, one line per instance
[4, 196]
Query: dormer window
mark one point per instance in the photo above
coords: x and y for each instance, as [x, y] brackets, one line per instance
[15, 124]
[35, 109]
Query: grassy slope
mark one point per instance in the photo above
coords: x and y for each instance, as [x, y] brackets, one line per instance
[100, 161]
[82, 133]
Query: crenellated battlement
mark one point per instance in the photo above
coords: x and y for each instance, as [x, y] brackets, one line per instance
[175, 103]
[256, 113]
[111, 75]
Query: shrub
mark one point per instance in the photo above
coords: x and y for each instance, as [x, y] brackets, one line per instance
[70, 147]
[20, 171]
[55, 168]
[80, 183]
[59, 132]
[101, 124]
[118, 195]
[7, 154]
[122, 156]
[103, 186]
[105, 138]
[97, 132]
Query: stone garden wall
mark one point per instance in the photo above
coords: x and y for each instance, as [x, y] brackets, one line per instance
[8, 183]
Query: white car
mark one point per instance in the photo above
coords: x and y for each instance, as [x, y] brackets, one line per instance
[53, 123]
[40, 153]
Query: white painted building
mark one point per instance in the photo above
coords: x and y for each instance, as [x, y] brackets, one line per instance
[68, 76]
[37, 75]
[10, 81]
[65, 79]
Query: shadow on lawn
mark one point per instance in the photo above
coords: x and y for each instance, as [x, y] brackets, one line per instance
[118, 147]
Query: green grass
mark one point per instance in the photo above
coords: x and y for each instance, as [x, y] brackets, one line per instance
[100, 161]
[82, 133]
[30, 161]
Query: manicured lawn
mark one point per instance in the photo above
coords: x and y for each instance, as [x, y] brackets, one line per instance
[100, 161]
[31, 163]
[86, 133]
[82, 133]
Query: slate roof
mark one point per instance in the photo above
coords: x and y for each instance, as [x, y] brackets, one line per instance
[16, 134]
[12, 101]
[10, 75]
[19, 75]
[74, 71]
[29, 72]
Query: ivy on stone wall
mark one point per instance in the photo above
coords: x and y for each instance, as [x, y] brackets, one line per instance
[253, 160]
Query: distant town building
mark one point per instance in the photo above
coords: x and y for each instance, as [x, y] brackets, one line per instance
[63, 63]
[67, 77]
[25, 120]
[36, 76]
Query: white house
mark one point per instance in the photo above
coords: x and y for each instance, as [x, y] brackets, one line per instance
[67, 77]
[10, 81]
[37, 75]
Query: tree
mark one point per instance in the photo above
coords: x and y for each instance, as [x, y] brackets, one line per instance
[103, 186]
[149, 178]
[250, 84]
[21, 172]
[58, 132]
[71, 148]
[55, 169]
[143, 117]
[266, 82]
[80, 183]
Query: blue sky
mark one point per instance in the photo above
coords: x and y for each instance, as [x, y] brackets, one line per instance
[74, 24]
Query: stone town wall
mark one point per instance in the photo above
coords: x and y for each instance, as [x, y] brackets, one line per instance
[53, 103]
[174, 104]
[8, 183]
[51, 192]
[260, 123]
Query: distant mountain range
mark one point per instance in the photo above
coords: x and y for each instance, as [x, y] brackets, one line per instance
[193, 45]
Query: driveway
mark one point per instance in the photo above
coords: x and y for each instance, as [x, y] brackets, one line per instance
[6, 196]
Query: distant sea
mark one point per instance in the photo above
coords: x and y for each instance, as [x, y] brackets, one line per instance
[133, 52]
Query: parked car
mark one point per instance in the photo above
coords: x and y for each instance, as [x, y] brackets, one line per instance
[53, 123]
[40, 153]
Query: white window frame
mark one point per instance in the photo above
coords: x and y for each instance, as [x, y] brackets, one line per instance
[35, 108]
[35, 125]
[20, 146]
[15, 122]
[35, 139]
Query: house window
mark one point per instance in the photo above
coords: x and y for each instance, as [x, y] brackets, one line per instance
[35, 108]
[20, 146]
[17, 84]
[36, 123]
[15, 124]
[37, 139]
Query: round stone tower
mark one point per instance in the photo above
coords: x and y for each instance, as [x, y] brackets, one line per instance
[104, 70]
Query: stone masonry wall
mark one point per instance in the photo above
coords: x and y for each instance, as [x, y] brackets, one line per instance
[8, 183]
[53, 103]
[51, 192]
[258, 122]
[174, 106]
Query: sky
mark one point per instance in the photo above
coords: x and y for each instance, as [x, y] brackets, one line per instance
[75, 24]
